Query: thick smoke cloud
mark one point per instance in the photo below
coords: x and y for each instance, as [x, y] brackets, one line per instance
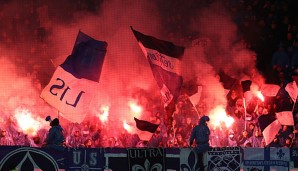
[219, 46]
[39, 35]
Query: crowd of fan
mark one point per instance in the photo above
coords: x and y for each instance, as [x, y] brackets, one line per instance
[244, 133]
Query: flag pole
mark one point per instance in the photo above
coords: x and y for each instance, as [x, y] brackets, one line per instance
[293, 118]
[244, 105]
[196, 110]
[58, 113]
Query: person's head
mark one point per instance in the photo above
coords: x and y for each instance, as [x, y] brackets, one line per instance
[260, 110]
[3, 133]
[179, 137]
[248, 144]
[204, 119]
[288, 141]
[257, 133]
[251, 126]
[245, 133]
[76, 133]
[276, 139]
[54, 122]
[179, 104]
[284, 127]
[85, 131]
[188, 120]
[239, 103]
[88, 143]
[233, 93]
[112, 142]
[36, 140]
[231, 136]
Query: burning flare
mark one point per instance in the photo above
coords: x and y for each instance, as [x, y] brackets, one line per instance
[260, 96]
[127, 127]
[104, 113]
[218, 116]
[28, 122]
[136, 110]
[134, 107]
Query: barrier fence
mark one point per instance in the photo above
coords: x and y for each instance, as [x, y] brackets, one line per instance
[146, 159]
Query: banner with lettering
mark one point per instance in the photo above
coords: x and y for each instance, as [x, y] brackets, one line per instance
[72, 85]
[224, 158]
[146, 159]
[266, 159]
[85, 159]
[188, 159]
[165, 61]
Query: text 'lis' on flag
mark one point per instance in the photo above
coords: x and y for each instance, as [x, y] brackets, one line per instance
[73, 83]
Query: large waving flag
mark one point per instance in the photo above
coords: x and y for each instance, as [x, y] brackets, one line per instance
[165, 61]
[228, 82]
[292, 89]
[269, 126]
[270, 90]
[285, 101]
[72, 85]
[193, 90]
[145, 125]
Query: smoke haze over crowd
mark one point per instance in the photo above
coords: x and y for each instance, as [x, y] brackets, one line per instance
[37, 36]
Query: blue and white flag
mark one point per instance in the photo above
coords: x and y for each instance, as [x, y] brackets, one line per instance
[165, 61]
[269, 126]
[73, 84]
[285, 101]
[266, 159]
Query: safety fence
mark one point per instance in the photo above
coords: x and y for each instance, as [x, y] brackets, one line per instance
[146, 159]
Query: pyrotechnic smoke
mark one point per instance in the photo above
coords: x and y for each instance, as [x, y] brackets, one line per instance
[125, 74]
[31, 53]
[219, 46]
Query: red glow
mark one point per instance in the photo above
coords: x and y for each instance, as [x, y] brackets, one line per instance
[104, 113]
[218, 116]
[260, 96]
[135, 109]
[127, 127]
[28, 122]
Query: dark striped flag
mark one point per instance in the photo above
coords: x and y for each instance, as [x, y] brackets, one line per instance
[269, 126]
[285, 101]
[145, 125]
[72, 85]
[165, 61]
